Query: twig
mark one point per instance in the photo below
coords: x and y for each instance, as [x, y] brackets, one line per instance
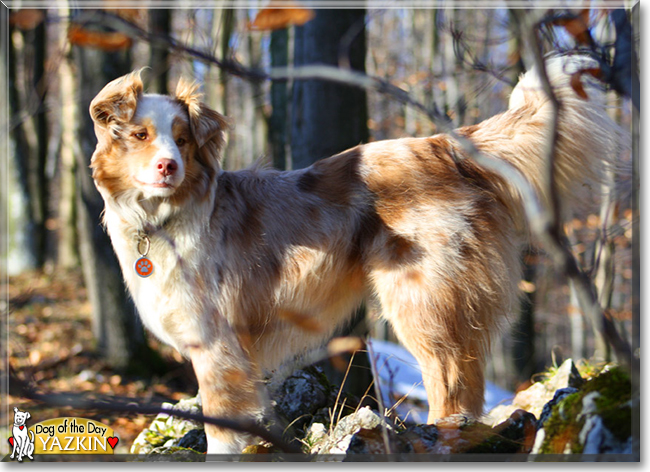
[380, 401]
[77, 401]
[555, 241]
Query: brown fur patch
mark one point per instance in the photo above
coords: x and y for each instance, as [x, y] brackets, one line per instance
[335, 179]
[401, 249]
[305, 322]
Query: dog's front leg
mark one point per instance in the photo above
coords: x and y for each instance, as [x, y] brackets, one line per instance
[228, 384]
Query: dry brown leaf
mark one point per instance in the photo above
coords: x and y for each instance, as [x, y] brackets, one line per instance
[576, 85]
[109, 42]
[27, 19]
[269, 19]
[133, 15]
[577, 27]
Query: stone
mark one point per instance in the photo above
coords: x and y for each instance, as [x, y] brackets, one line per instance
[339, 441]
[301, 395]
[594, 420]
[546, 411]
[537, 395]
[195, 440]
[521, 427]
[166, 430]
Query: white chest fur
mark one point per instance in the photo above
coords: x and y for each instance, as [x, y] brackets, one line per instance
[166, 300]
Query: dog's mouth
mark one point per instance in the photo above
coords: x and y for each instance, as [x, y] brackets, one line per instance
[161, 184]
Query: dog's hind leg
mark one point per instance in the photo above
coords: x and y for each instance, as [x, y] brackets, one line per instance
[449, 344]
[451, 374]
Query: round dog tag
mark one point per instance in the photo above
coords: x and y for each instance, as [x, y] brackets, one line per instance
[143, 267]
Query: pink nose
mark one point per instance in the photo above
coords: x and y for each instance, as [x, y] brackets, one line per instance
[166, 167]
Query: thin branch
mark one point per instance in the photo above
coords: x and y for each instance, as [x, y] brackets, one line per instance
[81, 402]
[554, 239]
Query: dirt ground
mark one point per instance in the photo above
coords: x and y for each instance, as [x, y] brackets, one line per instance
[50, 345]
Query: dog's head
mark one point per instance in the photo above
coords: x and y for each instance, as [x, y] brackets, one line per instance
[158, 146]
[20, 417]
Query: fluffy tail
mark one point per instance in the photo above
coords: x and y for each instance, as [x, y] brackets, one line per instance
[588, 143]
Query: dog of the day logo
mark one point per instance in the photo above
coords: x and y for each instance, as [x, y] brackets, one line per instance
[70, 435]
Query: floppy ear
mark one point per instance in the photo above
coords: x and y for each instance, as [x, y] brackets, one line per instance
[15, 409]
[27, 415]
[117, 101]
[208, 126]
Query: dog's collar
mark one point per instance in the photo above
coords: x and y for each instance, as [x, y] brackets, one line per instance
[143, 265]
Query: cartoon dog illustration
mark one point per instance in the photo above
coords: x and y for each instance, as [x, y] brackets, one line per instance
[22, 443]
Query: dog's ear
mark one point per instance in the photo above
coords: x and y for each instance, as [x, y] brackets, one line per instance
[27, 415]
[15, 409]
[208, 126]
[117, 101]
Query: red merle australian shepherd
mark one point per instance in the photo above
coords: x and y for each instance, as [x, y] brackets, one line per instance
[232, 268]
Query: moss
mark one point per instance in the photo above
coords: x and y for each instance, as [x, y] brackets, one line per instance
[561, 428]
[614, 387]
[565, 423]
[155, 439]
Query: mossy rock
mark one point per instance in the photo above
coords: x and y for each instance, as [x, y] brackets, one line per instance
[603, 400]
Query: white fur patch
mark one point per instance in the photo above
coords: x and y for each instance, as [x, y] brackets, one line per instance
[160, 111]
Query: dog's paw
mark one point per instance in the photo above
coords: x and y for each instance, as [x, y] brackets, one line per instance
[215, 446]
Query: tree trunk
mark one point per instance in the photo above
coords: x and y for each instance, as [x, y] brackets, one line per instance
[329, 118]
[26, 51]
[68, 241]
[160, 21]
[227, 27]
[523, 333]
[279, 99]
[119, 333]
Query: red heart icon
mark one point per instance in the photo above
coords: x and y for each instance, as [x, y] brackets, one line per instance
[11, 440]
[21, 427]
[113, 441]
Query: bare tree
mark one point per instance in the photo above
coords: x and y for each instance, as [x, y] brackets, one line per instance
[118, 331]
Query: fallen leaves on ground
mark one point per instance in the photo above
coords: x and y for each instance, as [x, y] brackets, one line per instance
[51, 345]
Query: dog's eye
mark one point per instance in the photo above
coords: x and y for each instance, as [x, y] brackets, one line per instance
[141, 136]
[181, 142]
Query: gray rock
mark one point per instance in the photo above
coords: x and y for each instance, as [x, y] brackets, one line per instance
[537, 395]
[339, 441]
[195, 440]
[301, 395]
[594, 420]
[166, 430]
[595, 436]
[546, 411]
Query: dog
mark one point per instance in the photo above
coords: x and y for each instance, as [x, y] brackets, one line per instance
[22, 444]
[242, 271]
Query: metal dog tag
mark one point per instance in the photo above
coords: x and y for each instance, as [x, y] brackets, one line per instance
[143, 267]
